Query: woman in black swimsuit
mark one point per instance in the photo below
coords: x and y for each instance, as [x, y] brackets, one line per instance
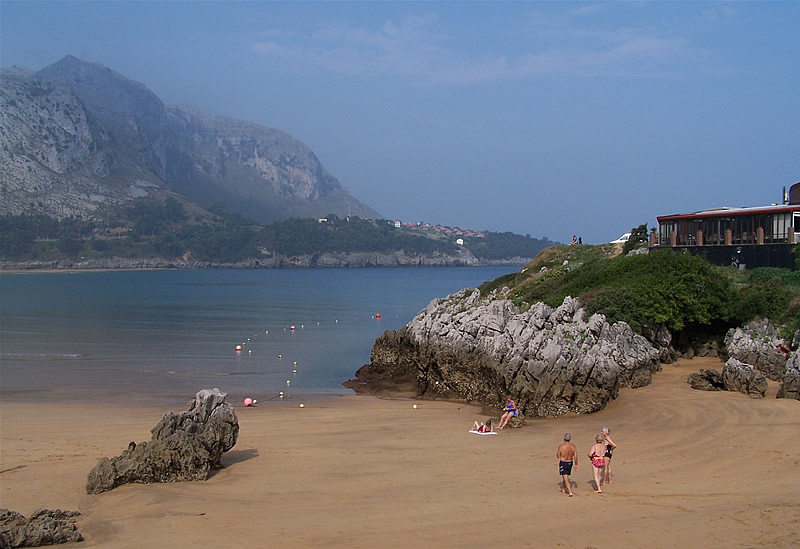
[610, 446]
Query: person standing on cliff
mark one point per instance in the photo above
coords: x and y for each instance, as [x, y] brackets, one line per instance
[567, 456]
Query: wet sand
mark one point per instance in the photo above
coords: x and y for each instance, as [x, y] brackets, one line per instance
[692, 469]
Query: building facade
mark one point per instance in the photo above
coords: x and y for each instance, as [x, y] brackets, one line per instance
[762, 236]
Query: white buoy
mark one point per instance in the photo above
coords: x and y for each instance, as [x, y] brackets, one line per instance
[415, 406]
[266, 332]
[280, 356]
[288, 382]
[302, 405]
[295, 363]
[249, 351]
[280, 394]
[294, 371]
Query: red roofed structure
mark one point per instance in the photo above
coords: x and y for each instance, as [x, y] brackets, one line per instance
[738, 229]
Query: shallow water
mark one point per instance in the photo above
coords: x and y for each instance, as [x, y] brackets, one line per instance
[147, 335]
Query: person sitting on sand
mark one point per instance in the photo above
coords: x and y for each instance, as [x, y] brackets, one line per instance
[597, 456]
[483, 427]
[511, 411]
[567, 456]
[610, 446]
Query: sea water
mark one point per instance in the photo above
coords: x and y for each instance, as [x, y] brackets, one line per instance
[150, 336]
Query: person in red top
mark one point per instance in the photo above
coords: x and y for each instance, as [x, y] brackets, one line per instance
[597, 456]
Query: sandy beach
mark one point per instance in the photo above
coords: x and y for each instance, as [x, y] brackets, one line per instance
[692, 469]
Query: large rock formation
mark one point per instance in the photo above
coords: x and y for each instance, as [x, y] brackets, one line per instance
[790, 385]
[78, 139]
[741, 377]
[756, 343]
[184, 446]
[551, 361]
[44, 527]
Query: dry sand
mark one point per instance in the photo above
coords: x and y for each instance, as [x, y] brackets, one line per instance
[692, 469]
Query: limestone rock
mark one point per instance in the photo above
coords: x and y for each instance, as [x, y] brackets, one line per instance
[706, 380]
[44, 527]
[184, 446]
[790, 385]
[737, 376]
[550, 361]
[756, 343]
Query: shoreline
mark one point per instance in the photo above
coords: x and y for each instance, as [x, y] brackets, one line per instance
[365, 260]
[72, 270]
[361, 471]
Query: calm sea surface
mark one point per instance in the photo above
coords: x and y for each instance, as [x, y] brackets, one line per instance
[153, 336]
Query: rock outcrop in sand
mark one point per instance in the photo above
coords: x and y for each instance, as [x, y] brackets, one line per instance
[44, 527]
[706, 380]
[736, 376]
[743, 378]
[184, 446]
[790, 385]
[551, 361]
[756, 343]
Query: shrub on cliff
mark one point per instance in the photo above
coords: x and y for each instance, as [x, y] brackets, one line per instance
[661, 287]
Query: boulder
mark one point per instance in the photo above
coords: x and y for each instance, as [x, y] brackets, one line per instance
[184, 446]
[741, 377]
[44, 527]
[790, 385]
[706, 380]
[551, 361]
[757, 343]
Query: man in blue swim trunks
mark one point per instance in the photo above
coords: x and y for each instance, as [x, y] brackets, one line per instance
[567, 459]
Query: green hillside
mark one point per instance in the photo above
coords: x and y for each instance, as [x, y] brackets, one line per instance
[166, 230]
[666, 287]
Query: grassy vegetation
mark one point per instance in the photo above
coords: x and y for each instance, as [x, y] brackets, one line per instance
[666, 287]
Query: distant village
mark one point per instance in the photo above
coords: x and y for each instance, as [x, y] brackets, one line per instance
[443, 229]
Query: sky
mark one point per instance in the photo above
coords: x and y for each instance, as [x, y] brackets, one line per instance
[541, 118]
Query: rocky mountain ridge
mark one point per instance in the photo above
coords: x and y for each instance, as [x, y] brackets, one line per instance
[78, 139]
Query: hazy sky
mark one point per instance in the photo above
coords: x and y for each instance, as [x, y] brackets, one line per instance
[544, 118]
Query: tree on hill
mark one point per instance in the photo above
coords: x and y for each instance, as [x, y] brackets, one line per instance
[638, 235]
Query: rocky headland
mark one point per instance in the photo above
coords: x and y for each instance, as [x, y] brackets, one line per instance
[480, 349]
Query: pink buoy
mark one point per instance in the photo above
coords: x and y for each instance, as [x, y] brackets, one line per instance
[293, 327]
[248, 401]
[238, 348]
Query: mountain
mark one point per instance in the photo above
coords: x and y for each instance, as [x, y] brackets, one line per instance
[78, 138]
